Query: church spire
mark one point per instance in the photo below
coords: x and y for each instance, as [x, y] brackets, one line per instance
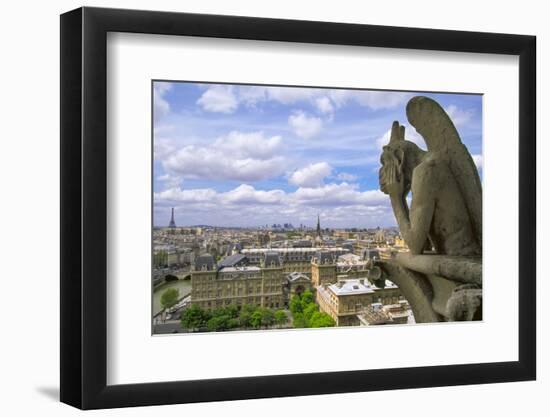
[318, 225]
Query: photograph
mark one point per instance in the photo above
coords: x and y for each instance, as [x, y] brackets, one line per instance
[263, 208]
[300, 207]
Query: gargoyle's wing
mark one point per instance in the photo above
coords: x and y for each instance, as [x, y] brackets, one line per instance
[441, 136]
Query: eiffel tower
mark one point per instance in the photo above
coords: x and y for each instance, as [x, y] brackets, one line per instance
[172, 221]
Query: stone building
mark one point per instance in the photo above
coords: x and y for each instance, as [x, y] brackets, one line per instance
[292, 259]
[323, 268]
[297, 283]
[350, 265]
[346, 300]
[215, 286]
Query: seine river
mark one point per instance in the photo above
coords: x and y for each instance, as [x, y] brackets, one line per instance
[183, 285]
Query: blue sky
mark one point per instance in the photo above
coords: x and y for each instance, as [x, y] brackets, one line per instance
[239, 155]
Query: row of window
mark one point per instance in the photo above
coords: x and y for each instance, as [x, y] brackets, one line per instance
[240, 302]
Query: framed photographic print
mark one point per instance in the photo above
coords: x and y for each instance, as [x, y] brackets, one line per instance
[258, 207]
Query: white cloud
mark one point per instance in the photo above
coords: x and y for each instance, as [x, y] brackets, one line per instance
[330, 195]
[161, 107]
[310, 176]
[373, 99]
[343, 194]
[249, 145]
[237, 156]
[203, 195]
[290, 95]
[478, 160]
[383, 140]
[163, 147]
[303, 125]
[246, 194]
[226, 98]
[219, 98]
[339, 204]
[324, 105]
[459, 116]
[251, 95]
[170, 181]
[344, 176]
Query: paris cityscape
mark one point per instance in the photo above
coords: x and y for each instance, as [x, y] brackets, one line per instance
[280, 224]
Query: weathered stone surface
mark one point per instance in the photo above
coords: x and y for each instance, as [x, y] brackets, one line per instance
[445, 214]
[416, 288]
[465, 304]
[458, 268]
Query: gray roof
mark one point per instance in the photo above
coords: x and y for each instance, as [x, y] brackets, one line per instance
[205, 260]
[272, 259]
[234, 247]
[237, 259]
[324, 257]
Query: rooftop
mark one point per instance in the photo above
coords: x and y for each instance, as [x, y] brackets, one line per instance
[350, 259]
[205, 261]
[271, 259]
[284, 250]
[295, 276]
[232, 260]
[351, 286]
[239, 269]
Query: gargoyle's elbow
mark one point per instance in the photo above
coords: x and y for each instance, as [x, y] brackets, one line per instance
[416, 249]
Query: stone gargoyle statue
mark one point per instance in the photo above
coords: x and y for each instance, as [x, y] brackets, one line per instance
[441, 274]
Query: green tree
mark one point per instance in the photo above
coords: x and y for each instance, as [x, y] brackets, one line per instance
[232, 311]
[194, 317]
[218, 323]
[169, 298]
[307, 298]
[245, 319]
[160, 259]
[319, 319]
[233, 323]
[256, 319]
[310, 310]
[298, 321]
[295, 304]
[281, 318]
[248, 308]
[268, 317]
[245, 315]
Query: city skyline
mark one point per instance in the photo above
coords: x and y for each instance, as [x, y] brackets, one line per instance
[277, 225]
[247, 156]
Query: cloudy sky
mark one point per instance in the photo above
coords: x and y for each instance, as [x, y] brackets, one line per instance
[235, 155]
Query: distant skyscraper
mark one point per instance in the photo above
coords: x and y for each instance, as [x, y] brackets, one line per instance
[172, 221]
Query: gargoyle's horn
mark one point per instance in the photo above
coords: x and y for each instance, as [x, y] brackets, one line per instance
[396, 132]
[401, 132]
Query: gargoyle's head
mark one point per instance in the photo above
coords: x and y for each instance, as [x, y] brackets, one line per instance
[399, 156]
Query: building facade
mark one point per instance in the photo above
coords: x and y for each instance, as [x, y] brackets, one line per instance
[297, 283]
[292, 259]
[347, 300]
[323, 268]
[215, 287]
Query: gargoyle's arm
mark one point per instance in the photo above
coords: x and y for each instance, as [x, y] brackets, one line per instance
[415, 224]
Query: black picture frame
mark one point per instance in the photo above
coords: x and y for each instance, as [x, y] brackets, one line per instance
[84, 207]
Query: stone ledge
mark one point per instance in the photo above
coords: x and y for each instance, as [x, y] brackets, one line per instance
[467, 270]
